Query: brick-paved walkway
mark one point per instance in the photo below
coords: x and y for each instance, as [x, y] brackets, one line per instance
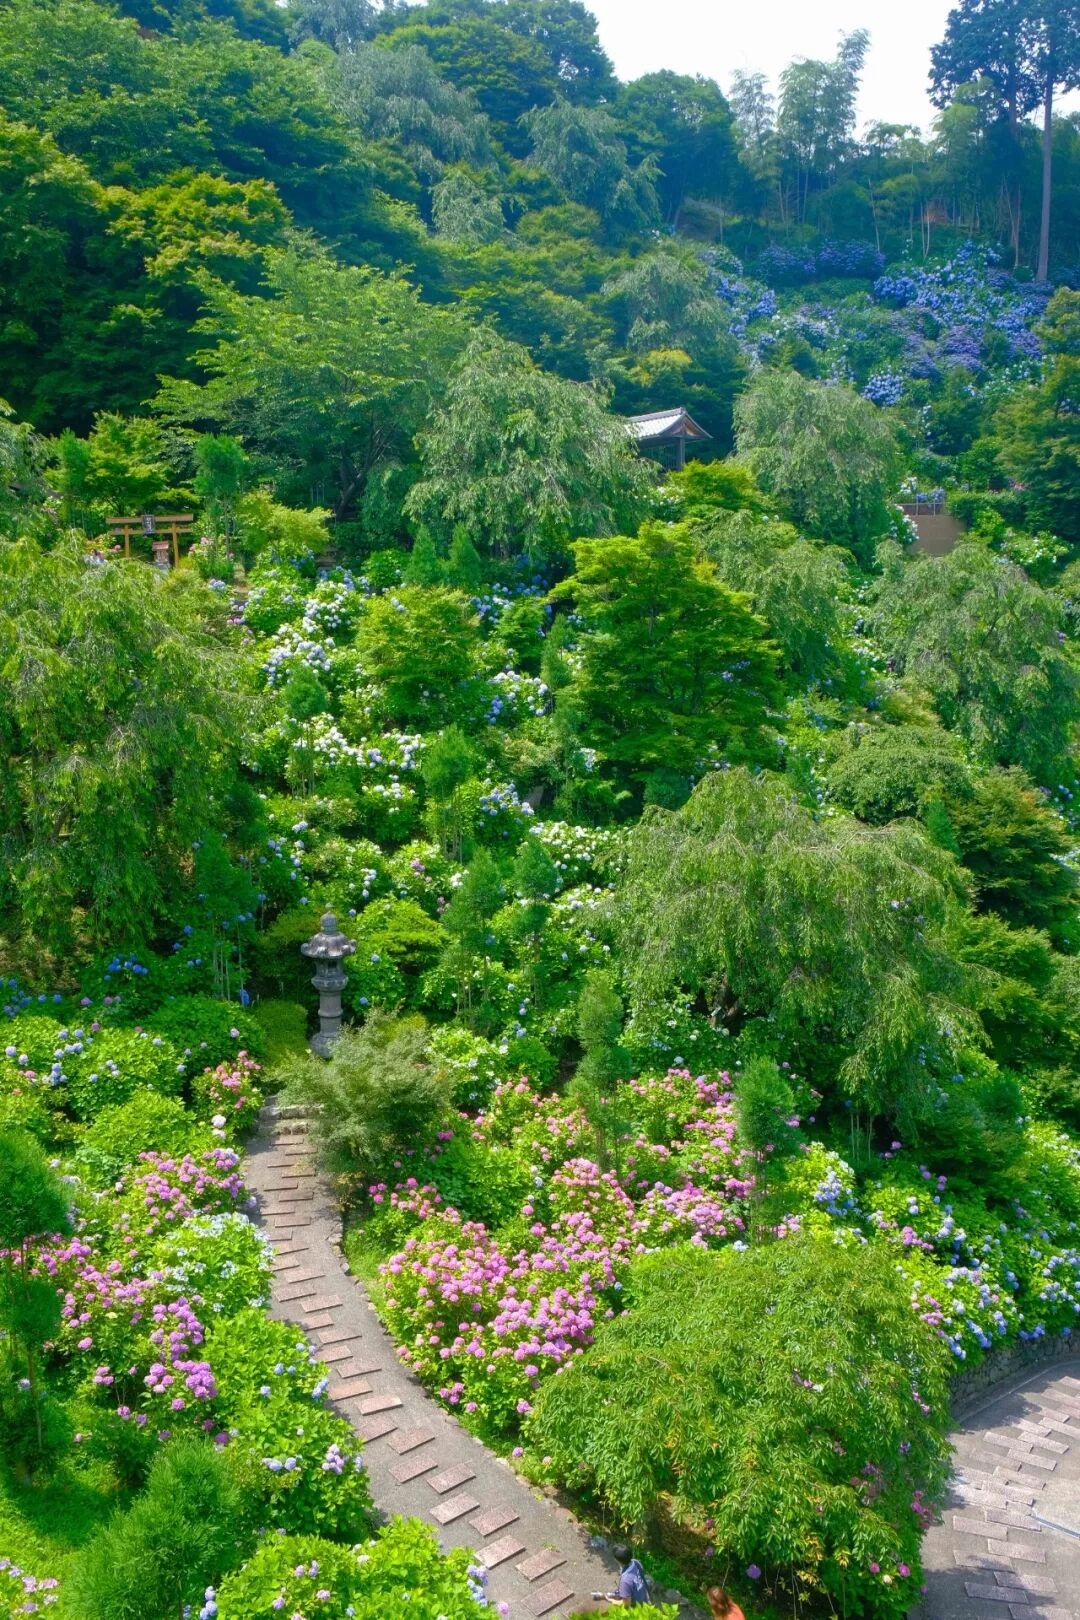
[1008, 1546]
[420, 1462]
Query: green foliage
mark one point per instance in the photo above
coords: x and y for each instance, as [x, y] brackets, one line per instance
[704, 488]
[400, 96]
[395, 941]
[221, 1258]
[120, 719]
[1016, 845]
[799, 587]
[829, 929]
[379, 1092]
[580, 150]
[146, 1123]
[768, 1373]
[1039, 430]
[673, 669]
[284, 1028]
[33, 1200]
[882, 772]
[116, 1063]
[34, 1205]
[463, 212]
[828, 459]
[986, 642]
[122, 467]
[527, 461]
[685, 125]
[180, 1536]
[207, 1031]
[280, 533]
[366, 1581]
[355, 353]
[764, 1102]
[417, 641]
[606, 1063]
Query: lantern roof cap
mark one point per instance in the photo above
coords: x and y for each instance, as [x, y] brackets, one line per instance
[328, 943]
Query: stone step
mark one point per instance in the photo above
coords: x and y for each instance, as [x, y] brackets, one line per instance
[409, 1439]
[451, 1478]
[541, 1563]
[412, 1467]
[374, 1428]
[349, 1391]
[497, 1552]
[378, 1403]
[455, 1507]
[492, 1519]
[549, 1597]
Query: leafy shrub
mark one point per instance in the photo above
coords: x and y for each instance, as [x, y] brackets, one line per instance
[278, 956]
[894, 771]
[146, 1123]
[803, 1407]
[251, 1351]
[222, 1259]
[30, 1040]
[230, 1095]
[305, 1466]
[276, 596]
[207, 1031]
[183, 1532]
[115, 1063]
[395, 941]
[369, 1582]
[474, 1066]
[280, 534]
[164, 1190]
[379, 1093]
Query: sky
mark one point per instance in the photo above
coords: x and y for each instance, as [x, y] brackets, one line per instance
[713, 38]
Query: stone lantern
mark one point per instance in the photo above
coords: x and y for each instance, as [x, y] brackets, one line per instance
[328, 950]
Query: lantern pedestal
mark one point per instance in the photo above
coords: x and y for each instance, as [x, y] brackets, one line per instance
[328, 950]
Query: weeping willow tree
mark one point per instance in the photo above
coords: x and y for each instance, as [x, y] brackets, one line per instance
[120, 716]
[828, 930]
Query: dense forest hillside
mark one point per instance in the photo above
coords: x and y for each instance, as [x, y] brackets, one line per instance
[704, 838]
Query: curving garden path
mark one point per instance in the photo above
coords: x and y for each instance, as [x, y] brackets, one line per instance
[420, 1462]
[1008, 1546]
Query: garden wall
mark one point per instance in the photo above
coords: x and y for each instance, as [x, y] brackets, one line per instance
[969, 1386]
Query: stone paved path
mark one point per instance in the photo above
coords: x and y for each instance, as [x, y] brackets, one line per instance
[420, 1462]
[1008, 1546]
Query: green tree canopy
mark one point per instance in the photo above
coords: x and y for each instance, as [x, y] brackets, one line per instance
[1040, 426]
[673, 669]
[742, 1386]
[327, 377]
[119, 723]
[401, 96]
[418, 644]
[799, 587]
[986, 642]
[186, 1529]
[684, 124]
[829, 930]
[827, 458]
[580, 149]
[527, 461]
[1019, 849]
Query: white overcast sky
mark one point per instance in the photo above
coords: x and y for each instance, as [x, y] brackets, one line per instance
[714, 38]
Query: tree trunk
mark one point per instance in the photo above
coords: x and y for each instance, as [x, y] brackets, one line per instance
[1047, 168]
